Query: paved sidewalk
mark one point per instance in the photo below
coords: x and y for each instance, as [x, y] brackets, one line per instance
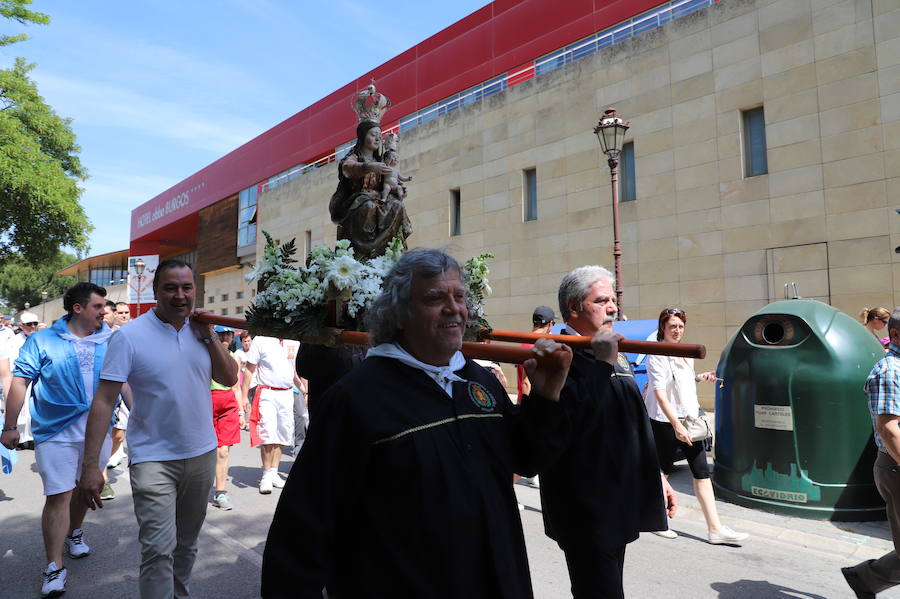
[785, 557]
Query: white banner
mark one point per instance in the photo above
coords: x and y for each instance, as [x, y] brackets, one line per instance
[143, 284]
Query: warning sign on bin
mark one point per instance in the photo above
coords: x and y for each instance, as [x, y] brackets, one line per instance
[779, 418]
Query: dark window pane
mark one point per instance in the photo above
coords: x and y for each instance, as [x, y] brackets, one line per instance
[626, 173]
[755, 160]
[530, 191]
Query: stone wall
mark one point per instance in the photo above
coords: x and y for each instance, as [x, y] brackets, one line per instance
[700, 235]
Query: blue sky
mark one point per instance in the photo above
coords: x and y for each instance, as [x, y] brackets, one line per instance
[157, 89]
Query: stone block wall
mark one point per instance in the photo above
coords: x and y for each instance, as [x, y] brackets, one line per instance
[700, 235]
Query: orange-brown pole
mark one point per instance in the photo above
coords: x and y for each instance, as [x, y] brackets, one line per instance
[678, 350]
[506, 353]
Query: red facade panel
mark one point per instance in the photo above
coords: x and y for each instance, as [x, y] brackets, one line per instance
[493, 40]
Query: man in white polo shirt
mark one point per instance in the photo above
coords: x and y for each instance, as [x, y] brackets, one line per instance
[168, 358]
[272, 416]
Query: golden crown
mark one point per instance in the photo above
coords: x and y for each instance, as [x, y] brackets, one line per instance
[370, 105]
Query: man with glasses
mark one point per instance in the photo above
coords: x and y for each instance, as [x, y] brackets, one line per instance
[28, 323]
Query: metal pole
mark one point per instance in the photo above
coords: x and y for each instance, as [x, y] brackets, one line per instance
[617, 246]
[139, 295]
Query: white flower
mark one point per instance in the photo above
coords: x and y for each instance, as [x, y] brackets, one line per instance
[343, 272]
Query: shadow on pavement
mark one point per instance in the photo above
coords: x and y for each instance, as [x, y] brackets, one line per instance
[758, 589]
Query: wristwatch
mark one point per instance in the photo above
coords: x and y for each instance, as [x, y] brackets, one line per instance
[10, 428]
[206, 340]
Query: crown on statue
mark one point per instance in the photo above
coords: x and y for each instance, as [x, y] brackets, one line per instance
[391, 142]
[370, 105]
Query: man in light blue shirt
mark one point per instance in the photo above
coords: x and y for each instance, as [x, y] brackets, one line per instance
[63, 365]
[167, 357]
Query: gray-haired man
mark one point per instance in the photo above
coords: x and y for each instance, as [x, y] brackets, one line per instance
[403, 484]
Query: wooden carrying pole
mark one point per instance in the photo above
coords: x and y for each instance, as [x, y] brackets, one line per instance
[506, 353]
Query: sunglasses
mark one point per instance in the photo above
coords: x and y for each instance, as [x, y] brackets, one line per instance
[29, 324]
[674, 311]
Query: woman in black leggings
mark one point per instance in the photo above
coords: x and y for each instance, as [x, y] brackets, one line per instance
[671, 394]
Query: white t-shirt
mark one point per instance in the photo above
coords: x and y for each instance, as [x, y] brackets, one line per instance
[675, 376]
[74, 433]
[6, 338]
[274, 359]
[169, 373]
[241, 355]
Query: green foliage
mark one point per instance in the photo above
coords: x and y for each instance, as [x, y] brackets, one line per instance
[39, 173]
[16, 11]
[22, 280]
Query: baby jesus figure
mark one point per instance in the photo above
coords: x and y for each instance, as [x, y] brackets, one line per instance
[392, 182]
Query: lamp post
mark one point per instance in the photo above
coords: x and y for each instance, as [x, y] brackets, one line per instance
[139, 267]
[610, 131]
[44, 295]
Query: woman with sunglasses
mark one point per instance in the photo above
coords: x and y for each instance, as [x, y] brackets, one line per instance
[670, 394]
[875, 320]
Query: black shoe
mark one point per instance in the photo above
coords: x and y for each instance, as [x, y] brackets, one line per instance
[856, 583]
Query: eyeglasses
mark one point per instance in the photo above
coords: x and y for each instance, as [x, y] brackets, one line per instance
[29, 324]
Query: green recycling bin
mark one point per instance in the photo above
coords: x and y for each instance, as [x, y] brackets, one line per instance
[793, 430]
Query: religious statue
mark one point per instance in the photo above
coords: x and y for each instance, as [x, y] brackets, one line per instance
[363, 213]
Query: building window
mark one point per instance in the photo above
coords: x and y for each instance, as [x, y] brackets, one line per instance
[627, 191]
[239, 310]
[224, 297]
[529, 193]
[224, 311]
[211, 299]
[239, 295]
[246, 210]
[754, 130]
[455, 213]
[112, 275]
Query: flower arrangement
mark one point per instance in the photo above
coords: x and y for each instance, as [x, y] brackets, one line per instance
[296, 301]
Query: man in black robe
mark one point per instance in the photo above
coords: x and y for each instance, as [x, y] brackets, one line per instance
[606, 487]
[404, 484]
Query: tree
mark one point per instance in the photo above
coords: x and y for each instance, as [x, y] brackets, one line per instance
[22, 280]
[39, 165]
[15, 10]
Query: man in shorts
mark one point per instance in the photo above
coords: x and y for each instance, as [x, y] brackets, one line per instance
[272, 416]
[63, 364]
[228, 418]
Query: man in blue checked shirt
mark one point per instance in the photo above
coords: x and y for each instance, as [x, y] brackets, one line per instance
[883, 392]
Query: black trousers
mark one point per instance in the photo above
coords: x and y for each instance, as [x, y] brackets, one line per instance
[595, 573]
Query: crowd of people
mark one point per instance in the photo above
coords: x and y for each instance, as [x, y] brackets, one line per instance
[404, 485]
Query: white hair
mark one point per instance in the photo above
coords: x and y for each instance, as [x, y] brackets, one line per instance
[576, 285]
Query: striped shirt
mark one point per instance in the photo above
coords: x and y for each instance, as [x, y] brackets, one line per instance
[883, 389]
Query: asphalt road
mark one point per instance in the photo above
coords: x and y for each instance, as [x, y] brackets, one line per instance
[785, 557]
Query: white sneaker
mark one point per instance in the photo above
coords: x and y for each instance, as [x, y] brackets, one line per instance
[116, 458]
[727, 536]
[277, 481]
[75, 545]
[265, 484]
[666, 534]
[53, 581]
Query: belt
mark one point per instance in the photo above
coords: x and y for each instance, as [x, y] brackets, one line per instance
[274, 388]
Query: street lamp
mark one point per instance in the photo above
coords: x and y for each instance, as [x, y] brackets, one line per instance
[139, 267]
[610, 131]
[44, 295]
